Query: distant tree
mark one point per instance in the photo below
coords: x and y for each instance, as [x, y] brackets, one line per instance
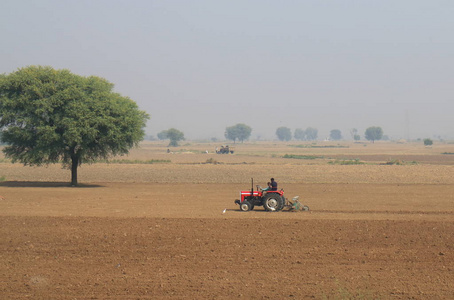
[174, 135]
[49, 116]
[428, 142]
[299, 134]
[149, 138]
[163, 135]
[353, 131]
[335, 134]
[311, 133]
[239, 132]
[284, 133]
[373, 133]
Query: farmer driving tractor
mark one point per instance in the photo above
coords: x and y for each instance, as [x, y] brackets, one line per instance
[272, 186]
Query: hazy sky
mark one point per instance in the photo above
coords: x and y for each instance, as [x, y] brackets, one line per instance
[200, 66]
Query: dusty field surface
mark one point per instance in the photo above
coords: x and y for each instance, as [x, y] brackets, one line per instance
[158, 231]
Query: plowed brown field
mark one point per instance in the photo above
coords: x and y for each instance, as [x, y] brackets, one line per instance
[157, 231]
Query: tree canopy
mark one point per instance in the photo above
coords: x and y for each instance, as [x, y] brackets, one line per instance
[239, 132]
[49, 116]
[311, 133]
[428, 142]
[284, 133]
[299, 134]
[174, 135]
[373, 133]
[354, 134]
[335, 134]
[163, 135]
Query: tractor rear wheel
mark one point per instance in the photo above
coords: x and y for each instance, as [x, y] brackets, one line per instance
[283, 202]
[273, 202]
[245, 206]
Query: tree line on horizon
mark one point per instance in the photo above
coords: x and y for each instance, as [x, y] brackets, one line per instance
[50, 116]
[242, 132]
[373, 133]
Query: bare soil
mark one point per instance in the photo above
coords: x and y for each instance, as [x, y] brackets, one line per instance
[136, 231]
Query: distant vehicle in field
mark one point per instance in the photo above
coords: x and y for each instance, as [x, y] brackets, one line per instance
[224, 150]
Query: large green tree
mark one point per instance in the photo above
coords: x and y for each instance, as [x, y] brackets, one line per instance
[49, 116]
[174, 135]
[373, 133]
[239, 132]
[284, 133]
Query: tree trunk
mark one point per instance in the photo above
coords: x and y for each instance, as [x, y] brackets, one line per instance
[74, 165]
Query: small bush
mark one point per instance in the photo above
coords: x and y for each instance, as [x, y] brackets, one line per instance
[391, 162]
[134, 162]
[2, 178]
[346, 162]
[428, 142]
[183, 150]
[399, 162]
[316, 146]
[211, 161]
[301, 156]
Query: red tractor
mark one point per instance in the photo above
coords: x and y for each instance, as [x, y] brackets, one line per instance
[270, 200]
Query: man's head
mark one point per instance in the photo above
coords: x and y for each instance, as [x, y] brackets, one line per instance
[272, 179]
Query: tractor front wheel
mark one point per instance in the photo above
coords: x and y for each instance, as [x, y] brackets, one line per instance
[273, 202]
[245, 206]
